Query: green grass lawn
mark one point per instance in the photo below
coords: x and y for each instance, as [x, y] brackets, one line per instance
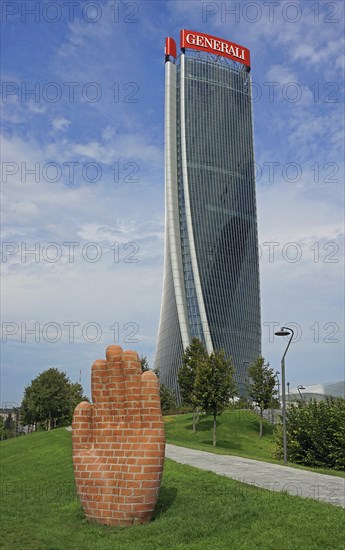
[196, 510]
[237, 434]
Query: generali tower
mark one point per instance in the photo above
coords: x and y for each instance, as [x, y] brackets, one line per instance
[211, 265]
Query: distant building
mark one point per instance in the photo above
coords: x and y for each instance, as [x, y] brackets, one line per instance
[5, 412]
[318, 391]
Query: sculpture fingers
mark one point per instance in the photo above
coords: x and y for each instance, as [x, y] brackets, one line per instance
[151, 455]
[99, 382]
[115, 383]
[132, 387]
[151, 414]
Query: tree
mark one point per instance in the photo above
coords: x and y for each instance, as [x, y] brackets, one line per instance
[51, 399]
[27, 409]
[144, 363]
[215, 385]
[10, 426]
[194, 356]
[76, 396]
[261, 386]
[167, 396]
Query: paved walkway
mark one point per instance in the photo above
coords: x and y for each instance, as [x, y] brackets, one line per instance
[274, 477]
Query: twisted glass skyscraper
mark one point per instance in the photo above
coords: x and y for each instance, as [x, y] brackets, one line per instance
[211, 272]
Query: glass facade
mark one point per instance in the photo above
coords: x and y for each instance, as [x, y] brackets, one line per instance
[214, 215]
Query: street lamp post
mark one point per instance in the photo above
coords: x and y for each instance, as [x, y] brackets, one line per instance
[284, 331]
[288, 386]
[278, 384]
[299, 388]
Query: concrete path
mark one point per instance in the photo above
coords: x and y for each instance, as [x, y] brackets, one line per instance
[274, 477]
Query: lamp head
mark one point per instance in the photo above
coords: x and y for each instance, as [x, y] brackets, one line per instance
[282, 333]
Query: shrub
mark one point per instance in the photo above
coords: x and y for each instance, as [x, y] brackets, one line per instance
[315, 434]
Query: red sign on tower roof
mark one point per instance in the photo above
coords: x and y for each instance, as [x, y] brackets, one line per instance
[212, 44]
[170, 47]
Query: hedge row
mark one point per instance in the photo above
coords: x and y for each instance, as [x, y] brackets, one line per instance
[315, 434]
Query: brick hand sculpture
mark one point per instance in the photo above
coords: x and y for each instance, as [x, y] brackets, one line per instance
[119, 442]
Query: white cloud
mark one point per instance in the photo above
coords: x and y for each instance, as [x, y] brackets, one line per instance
[281, 74]
[108, 133]
[60, 124]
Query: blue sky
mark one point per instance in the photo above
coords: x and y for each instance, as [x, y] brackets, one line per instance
[83, 105]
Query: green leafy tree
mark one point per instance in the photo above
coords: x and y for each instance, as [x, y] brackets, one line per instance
[261, 386]
[50, 399]
[9, 427]
[215, 386]
[28, 413]
[144, 363]
[168, 400]
[194, 356]
[75, 396]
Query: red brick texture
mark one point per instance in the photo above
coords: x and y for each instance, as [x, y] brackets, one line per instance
[119, 442]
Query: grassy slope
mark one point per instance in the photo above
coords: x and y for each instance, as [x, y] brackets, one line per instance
[196, 510]
[237, 434]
